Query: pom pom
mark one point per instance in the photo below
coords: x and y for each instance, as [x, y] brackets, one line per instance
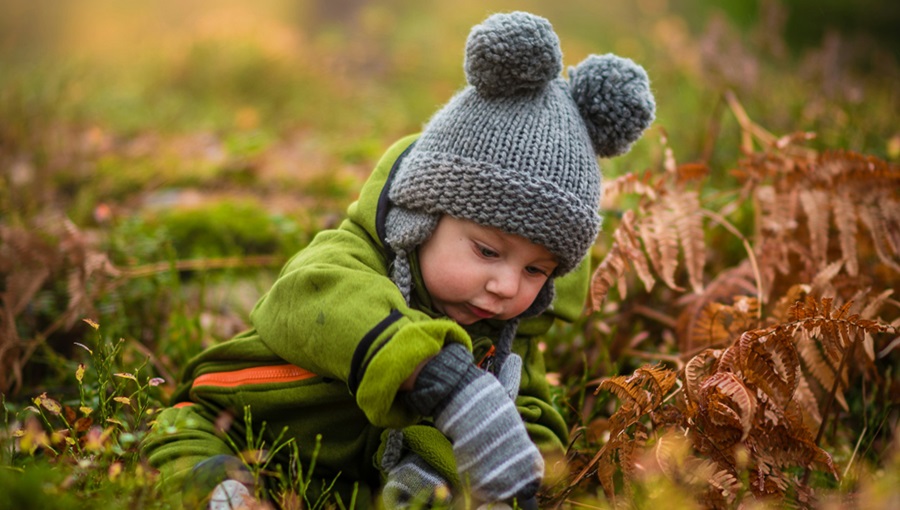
[614, 98]
[512, 53]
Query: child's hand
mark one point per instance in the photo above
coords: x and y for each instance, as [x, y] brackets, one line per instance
[490, 443]
[491, 446]
[413, 483]
[510, 375]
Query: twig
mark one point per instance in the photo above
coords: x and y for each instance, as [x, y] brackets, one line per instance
[853, 456]
[167, 375]
[831, 398]
[750, 129]
[718, 218]
[575, 503]
[201, 265]
[655, 315]
[654, 356]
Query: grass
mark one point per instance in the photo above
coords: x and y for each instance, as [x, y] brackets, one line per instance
[196, 147]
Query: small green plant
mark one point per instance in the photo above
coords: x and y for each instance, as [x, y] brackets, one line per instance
[278, 473]
[93, 436]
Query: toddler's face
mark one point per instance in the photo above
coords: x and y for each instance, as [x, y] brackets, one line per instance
[473, 272]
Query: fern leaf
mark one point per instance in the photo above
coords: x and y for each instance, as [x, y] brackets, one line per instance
[816, 206]
[630, 246]
[660, 238]
[808, 404]
[880, 235]
[698, 369]
[629, 183]
[608, 273]
[846, 221]
[770, 363]
[629, 457]
[726, 484]
[606, 467]
[783, 311]
[625, 389]
[777, 214]
[611, 270]
[689, 225]
[729, 402]
[874, 305]
[817, 366]
[659, 378]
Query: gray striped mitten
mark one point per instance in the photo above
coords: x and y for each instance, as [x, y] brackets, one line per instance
[490, 443]
[412, 483]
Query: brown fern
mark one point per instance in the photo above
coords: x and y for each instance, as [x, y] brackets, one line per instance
[768, 346]
[689, 225]
[611, 271]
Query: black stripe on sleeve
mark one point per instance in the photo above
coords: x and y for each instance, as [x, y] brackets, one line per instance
[359, 355]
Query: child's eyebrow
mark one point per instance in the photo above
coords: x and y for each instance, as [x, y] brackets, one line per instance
[548, 260]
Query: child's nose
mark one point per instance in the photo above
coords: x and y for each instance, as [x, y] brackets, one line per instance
[503, 283]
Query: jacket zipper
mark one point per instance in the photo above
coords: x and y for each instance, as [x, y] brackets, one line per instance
[254, 375]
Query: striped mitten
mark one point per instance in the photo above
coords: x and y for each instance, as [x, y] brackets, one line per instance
[490, 443]
[412, 483]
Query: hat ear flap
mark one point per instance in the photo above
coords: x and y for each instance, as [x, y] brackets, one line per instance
[614, 98]
[542, 301]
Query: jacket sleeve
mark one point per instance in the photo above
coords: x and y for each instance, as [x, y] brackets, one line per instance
[179, 439]
[334, 311]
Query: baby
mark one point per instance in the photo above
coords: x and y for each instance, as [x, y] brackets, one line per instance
[405, 341]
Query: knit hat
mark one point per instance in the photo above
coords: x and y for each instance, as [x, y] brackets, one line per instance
[517, 148]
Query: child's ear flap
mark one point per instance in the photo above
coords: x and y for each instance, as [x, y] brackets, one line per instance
[614, 98]
[542, 301]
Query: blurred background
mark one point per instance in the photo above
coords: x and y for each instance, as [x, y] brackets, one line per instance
[316, 85]
[164, 131]
[319, 84]
[160, 160]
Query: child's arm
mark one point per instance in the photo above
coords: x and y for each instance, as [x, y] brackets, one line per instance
[334, 312]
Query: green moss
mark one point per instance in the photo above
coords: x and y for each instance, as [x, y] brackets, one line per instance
[217, 229]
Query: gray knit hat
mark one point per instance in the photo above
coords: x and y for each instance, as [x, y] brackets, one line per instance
[517, 148]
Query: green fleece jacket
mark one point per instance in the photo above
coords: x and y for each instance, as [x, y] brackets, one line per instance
[331, 342]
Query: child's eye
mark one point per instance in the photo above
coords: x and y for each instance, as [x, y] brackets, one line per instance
[536, 271]
[487, 252]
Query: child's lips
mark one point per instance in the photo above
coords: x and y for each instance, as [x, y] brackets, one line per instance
[480, 312]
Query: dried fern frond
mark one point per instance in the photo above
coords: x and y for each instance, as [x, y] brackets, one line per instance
[628, 184]
[718, 324]
[770, 363]
[689, 225]
[845, 218]
[645, 389]
[30, 260]
[660, 240]
[818, 367]
[816, 206]
[698, 369]
[624, 251]
[725, 287]
[726, 402]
